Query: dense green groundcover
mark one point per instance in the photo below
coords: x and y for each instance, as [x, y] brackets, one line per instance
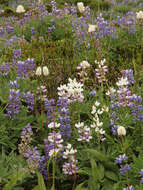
[71, 88]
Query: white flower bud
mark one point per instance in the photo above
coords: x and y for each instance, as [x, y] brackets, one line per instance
[45, 71]
[38, 71]
[139, 15]
[121, 131]
[91, 28]
[81, 7]
[20, 9]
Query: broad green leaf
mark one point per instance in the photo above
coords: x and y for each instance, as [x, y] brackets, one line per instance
[117, 186]
[41, 183]
[14, 180]
[99, 156]
[53, 187]
[111, 175]
[36, 187]
[79, 187]
[94, 170]
[110, 165]
[94, 179]
[108, 184]
[101, 171]
[85, 171]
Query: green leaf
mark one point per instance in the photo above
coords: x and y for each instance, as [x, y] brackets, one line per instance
[94, 179]
[111, 175]
[101, 171]
[108, 184]
[36, 187]
[14, 180]
[85, 171]
[79, 187]
[41, 183]
[94, 170]
[53, 187]
[99, 156]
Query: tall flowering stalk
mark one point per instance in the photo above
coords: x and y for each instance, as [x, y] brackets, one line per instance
[101, 71]
[14, 104]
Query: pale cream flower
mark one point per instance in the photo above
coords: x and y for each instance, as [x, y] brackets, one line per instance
[20, 9]
[139, 15]
[91, 28]
[121, 131]
[45, 71]
[81, 7]
[38, 71]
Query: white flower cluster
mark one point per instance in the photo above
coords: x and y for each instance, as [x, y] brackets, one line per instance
[96, 111]
[39, 71]
[69, 151]
[84, 132]
[82, 73]
[139, 15]
[101, 70]
[72, 91]
[122, 82]
[56, 140]
[111, 92]
[53, 125]
[83, 65]
[70, 166]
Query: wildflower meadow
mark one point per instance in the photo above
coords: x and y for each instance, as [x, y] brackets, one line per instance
[71, 95]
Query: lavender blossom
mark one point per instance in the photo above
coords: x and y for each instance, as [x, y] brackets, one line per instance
[64, 118]
[13, 84]
[50, 108]
[29, 98]
[4, 69]
[33, 158]
[124, 169]
[25, 139]
[14, 104]
[121, 158]
[129, 188]
[24, 68]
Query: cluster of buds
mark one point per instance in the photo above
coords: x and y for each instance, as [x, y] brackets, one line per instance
[40, 69]
[73, 91]
[101, 71]
[70, 167]
[25, 139]
[84, 132]
[82, 73]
